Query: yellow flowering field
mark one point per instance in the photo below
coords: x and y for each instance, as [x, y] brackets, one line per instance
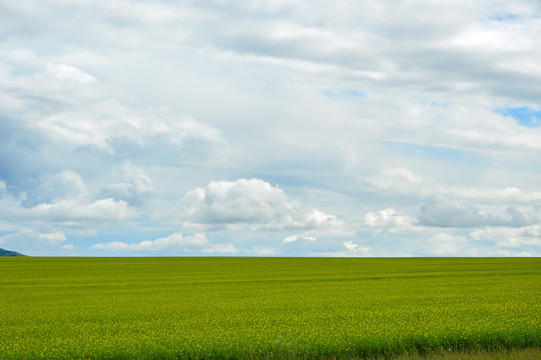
[237, 308]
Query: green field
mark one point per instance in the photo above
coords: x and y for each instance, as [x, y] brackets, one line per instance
[153, 308]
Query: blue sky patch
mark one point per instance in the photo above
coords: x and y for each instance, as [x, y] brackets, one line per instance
[505, 17]
[523, 115]
[353, 93]
[343, 94]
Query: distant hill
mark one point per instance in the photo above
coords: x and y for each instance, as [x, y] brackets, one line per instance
[4, 252]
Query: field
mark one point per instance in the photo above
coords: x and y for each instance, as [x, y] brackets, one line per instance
[236, 308]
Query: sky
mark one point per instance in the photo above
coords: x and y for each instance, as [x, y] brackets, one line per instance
[270, 128]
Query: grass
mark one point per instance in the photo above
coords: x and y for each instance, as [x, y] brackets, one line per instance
[494, 354]
[265, 308]
[498, 354]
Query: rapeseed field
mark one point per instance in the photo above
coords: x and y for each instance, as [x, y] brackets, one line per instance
[259, 308]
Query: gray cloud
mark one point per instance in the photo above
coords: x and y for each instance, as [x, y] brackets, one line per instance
[446, 212]
[62, 198]
[66, 184]
[439, 212]
[134, 186]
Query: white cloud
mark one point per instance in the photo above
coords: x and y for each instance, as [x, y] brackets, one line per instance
[491, 194]
[27, 238]
[100, 124]
[66, 72]
[262, 251]
[293, 238]
[290, 238]
[82, 112]
[496, 37]
[66, 184]
[251, 202]
[449, 245]
[402, 181]
[63, 198]
[505, 237]
[443, 205]
[507, 253]
[135, 185]
[319, 220]
[399, 181]
[354, 249]
[66, 210]
[174, 242]
[53, 237]
[222, 249]
[246, 201]
[388, 220]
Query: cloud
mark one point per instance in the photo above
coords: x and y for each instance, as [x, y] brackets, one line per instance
[507, 253]
[387, 46]
[134, 187]
[66, 184]
[174, 242]
[505, 237]
[71, 109]
[68, 210]
[388, 220]
[54, 237]
[245, 201]
[507, 241]
[447, 244]
[402, 181]
[399, 181]
[354, 249]
[66, 72]
[446, 212]
[508, 194]
[221, 249]
[293, 238]
[290, 238]
[318, 220]
[451, 213]
[261, 251]
[28, 238]
[251, 202]
[62, 198]
[100, 124]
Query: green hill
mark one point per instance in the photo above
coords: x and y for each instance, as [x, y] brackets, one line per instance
[4, 252]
